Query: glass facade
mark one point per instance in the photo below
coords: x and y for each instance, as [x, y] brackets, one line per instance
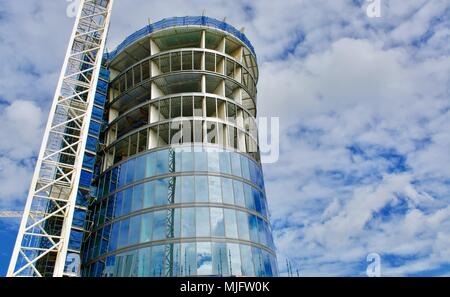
[218, 214]
[180, 189]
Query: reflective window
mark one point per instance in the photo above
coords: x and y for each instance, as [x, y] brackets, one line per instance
[242, 225]
[157, 261]
[188, 259]
[159, 225]
[127, 199]
[230, 223]
[204, 258]
[161, 191]
[246, 258]
[217, 224]
[188, 189]
[238, 193]
[149, 192]
[220, 263]
[201, 188]
[215, 191]
[135, 230]
[202, 222]
[227, 190]
[146, 227]
[123, 234]
[188, 222]
[137, 197]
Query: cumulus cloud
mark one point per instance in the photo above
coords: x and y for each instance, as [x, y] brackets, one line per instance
[363, 107]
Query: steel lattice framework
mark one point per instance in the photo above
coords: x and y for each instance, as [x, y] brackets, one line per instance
[43, 237]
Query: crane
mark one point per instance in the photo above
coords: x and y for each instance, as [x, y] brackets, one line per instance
[42, 241]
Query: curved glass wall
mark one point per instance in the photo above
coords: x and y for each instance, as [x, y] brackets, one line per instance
[180, 189]
[216, 204]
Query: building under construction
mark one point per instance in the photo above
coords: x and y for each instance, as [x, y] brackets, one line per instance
[150, 166]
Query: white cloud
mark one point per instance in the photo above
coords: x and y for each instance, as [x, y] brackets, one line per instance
[335, 77]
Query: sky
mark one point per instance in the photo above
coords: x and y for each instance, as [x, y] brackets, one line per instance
[364, 114]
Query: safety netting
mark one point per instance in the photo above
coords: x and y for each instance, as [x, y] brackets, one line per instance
[176, 22]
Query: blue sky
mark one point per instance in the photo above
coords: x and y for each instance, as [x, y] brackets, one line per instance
[364, 114]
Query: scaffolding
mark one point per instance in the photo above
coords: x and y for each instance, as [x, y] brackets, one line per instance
[42, 241]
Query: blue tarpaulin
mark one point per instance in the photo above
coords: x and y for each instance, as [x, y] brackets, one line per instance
[180, 21]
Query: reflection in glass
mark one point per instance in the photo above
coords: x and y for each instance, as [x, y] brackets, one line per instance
[204, 258]
[202, 221]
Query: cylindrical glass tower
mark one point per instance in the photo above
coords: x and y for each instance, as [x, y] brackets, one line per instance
[180, 189]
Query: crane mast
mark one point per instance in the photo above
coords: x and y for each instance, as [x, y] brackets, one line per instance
[42, 241]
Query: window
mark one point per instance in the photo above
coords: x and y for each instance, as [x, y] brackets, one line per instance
[123, 235]
[201, 188]
[137, 197]
[188, 189]
[230, 223]
[118, 205]
[220, 261]
[161, 191]
[157, 262]
[247, 263]
[213, 161]
[159, 225]
[146, 227]
[202, 222]
[227, 191]
[188, 222]
[135, 232]
[187, 107]
[252, 223]
[242, 225]
[204, 258]
[239, 197]
[215, 193]
[127, 199]
[188, 259]
[217, 225]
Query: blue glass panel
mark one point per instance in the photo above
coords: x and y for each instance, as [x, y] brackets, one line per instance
[110, 208]
[249, 202]
[235, 259]
[140, 168]
[135, 230]
[188, 189]
[231, 230]
[161, 191]
[213, 161]
[159, 225]
[149, 193]
[245, 167]
[118, 205]
[215, 189]
[123, 234]
[242, 225]
[257, 261]
[188, 259]
[201, 188]
[202, 222]
[220, 259]
[188, 222]
[204, 258]
[217, 224]
[157, 262]
[127, 199]
[137, 197]
[122, 174]
[162, 162]
[238, 193]
[146, 227]
[253, 228]
[151, 164]
[236, 164]
[224, 160]
[201, 163]
[227, 191]
[187, 161]
[130, 171]
[262, 231]
[256, 199]
[247, 263]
